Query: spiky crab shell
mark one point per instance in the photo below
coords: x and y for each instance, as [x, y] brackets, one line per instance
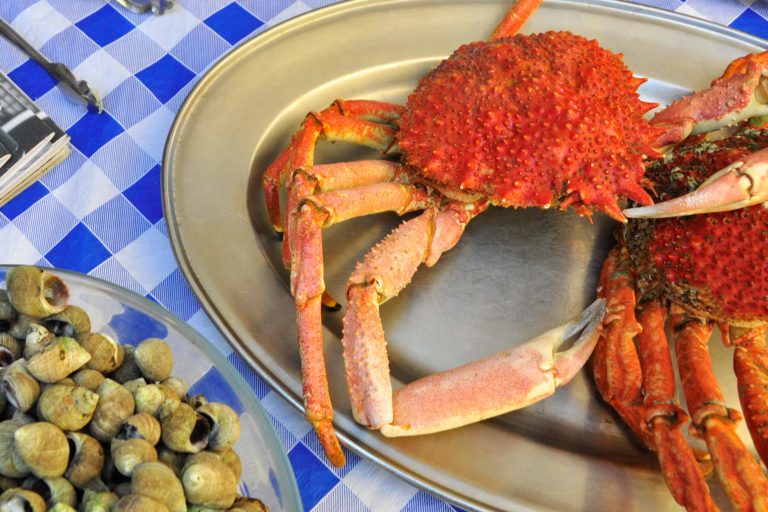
[715, 265]
[548, 119]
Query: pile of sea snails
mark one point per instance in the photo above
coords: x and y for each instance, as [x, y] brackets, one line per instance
[92, 425]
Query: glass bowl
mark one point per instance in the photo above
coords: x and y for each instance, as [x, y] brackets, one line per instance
[131, 318]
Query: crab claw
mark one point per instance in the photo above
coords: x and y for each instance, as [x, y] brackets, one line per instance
[498, 384]
[741, 184]
[741, 93]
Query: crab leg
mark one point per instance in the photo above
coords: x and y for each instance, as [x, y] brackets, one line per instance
[740, 93]
[485, 388]
[307, 284]
[617, 371]
[743, 183]
[739, 473]
[330, 126]
[280, 170]
[498, 384]
[750, 363]
[639, 382]
[517, 15]
[385, 271]
[665, 418]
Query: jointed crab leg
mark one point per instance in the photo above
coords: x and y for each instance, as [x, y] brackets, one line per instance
[515, 18]
[330, 126]
[307, 284]
[485, 388]
[739, 473]
[280, 170]
[639, 381]
[385, 271]
[617, 371]
[665, 418]
[750, 363]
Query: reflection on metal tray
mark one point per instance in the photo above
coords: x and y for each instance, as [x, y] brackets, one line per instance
[514, 274]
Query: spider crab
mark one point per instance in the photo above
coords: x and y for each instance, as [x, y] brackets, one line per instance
[697, 271]
[513, 121]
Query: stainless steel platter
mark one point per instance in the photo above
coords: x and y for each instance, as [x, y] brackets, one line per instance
[514, 274]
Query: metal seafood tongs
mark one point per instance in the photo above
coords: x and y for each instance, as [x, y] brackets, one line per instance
[56, 69]
[142, 6]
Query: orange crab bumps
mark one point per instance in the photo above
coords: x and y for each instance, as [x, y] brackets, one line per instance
[540, 120]
[713, 264]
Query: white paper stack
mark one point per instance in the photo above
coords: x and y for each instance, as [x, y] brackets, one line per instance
[31, 144]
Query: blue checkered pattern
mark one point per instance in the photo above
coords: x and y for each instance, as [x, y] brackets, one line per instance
[99, 212]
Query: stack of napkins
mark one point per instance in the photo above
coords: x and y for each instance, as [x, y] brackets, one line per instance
[30, 142]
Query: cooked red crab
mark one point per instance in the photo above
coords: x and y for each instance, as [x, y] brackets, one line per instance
[711, 269]
[545, 120]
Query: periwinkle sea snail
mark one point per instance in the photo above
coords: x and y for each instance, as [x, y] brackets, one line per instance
[87, 423]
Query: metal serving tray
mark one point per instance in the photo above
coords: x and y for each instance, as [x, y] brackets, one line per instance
[515, 274]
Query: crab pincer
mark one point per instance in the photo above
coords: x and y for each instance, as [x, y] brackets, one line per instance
[742, 183]
[498, 384]
[741, 93]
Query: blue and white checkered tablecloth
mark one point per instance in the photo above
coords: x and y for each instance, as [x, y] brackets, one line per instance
[100, 211]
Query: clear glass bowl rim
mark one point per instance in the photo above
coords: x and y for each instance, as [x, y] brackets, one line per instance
[286, 478]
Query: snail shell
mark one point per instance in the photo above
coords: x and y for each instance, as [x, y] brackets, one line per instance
[170, 458]
[20, 326]
[10, 466]
[87, 460]
[196, 401]
[174, 387]
[53, 490]
[115, 406]
[155, 359]
[128, 370]
[20, 388]
[225, 425]
[62, 507]
[149, 398]
[21, 499]
[128, 453]
[183, 429]
[37, 338]
[43, 448]
[106, 354]
[157, 481]
[138, 503]
[87, 378]
[68, 407]
[7, 311]
[232, 460]
[72, 321]
[12, 345]
[134, 384]
[8, 483]
[58, 360]
[141, 426]
[208, 481]
[35, 292]
[98, 501]
[245, 504]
